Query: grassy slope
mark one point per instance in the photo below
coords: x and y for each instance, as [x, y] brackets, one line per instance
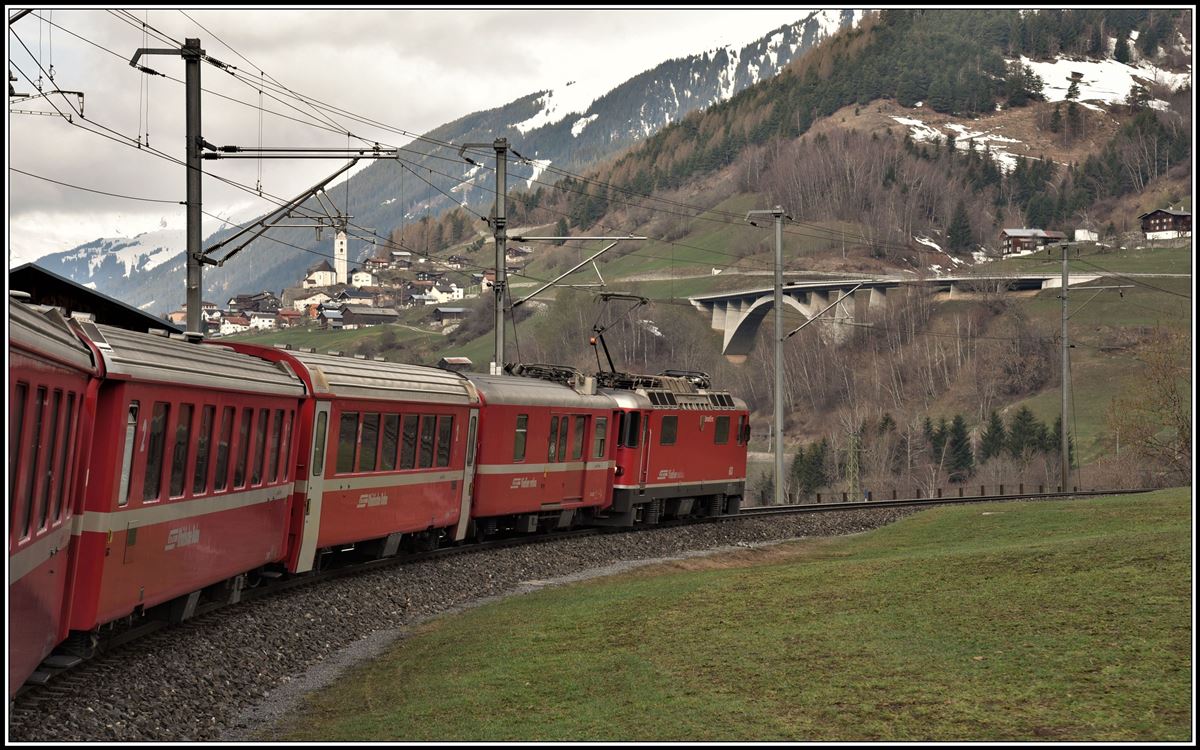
[1020, 621]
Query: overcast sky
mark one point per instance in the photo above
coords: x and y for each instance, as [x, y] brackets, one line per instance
[411, 69]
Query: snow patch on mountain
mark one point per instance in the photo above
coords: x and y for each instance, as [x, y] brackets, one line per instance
[1106, 81]
[582, 123]
[963, 139]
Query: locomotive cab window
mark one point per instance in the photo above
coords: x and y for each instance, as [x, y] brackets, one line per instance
[552, 451]
[670, 427]
[633, 428]
[519, 437]
[721, 433]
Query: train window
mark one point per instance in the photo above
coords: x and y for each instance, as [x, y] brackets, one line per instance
[15, 427]
[127, 459]
[633, 428]
[368, 450]
[600, 437]
[427, 426]
[471, 443]
[203, 445]
[243, 452]
[580, 436]
[445, 431]
[183, 438]
[347, 442]
[391, 441]
[562, 438]
[408, 442]
[519, 437]
[741, 433]
[152, 482]
[670, 426]
[39, 406]
[221, 477]
[552, 452]
[273, 447]
[318, 461]
[52, 448]
[721, 434]
[620, 433]
[68, 425]
[260, 446]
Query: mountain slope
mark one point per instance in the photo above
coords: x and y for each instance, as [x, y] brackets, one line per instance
[541, 126]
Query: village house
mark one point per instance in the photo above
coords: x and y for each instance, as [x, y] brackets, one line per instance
[330, 318]
[232, 324]
[315, 299]
[1023, 240]
[360, 278]
[262, 321]
[1166, 224]
[354, 297]
[448, 315]
[362, 316]
[288, 318]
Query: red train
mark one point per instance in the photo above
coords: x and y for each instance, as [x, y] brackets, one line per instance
[151, 473]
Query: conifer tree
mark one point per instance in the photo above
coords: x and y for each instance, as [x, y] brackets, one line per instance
[962, 458]
[1122, 50]
[994, 438]
[959, 233]
[1024, 434]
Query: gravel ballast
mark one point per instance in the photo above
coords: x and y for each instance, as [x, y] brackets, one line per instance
[227, 675]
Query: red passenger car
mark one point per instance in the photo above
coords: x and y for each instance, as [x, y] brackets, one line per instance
[51, 391]
[681, 449]
[189, 476]
[386, 455]
[544, 455]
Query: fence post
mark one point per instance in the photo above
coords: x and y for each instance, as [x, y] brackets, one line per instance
[1021, 488]
[1040, 490]
[960, 489]
[868, 496]
[918, 493]
[843, 497]
[893, 493]
[982, 490]
[1001, 490]
[939, 492]
[818, 498]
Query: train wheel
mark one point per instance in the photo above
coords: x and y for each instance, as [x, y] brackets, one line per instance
[652, 513]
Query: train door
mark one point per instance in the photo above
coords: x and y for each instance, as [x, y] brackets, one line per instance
[645, 458]
[556, 457]
[575, 476]
[314, 488]
[468, 483]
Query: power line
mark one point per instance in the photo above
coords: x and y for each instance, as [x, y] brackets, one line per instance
[91, 190]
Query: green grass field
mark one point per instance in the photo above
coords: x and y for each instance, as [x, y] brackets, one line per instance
[322, 340]
[1051, 621]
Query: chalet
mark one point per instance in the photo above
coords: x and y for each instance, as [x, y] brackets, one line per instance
[362, 316]
[234, 324]
[455, 364]
[448, 315]
[262, 321]
[360, 278]
[1166, 224]
[455, 261]
[321, 274]
[1025, 240]
[376, 264]
[288, 318]
[259, 302]
[315, 299]
[354, 297]
[330, 319]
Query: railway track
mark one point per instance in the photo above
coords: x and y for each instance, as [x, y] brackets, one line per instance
[52, 680]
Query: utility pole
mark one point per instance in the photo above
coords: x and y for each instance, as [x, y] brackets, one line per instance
[1066, 455]
[499, 230]
[191, 54]
[777, 212]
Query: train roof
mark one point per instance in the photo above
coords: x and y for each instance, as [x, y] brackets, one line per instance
[663, 399]
[388, 381]
[161, 358]
[43, 330]
[515, 389]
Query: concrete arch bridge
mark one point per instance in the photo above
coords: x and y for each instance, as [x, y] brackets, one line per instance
[738, 315]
